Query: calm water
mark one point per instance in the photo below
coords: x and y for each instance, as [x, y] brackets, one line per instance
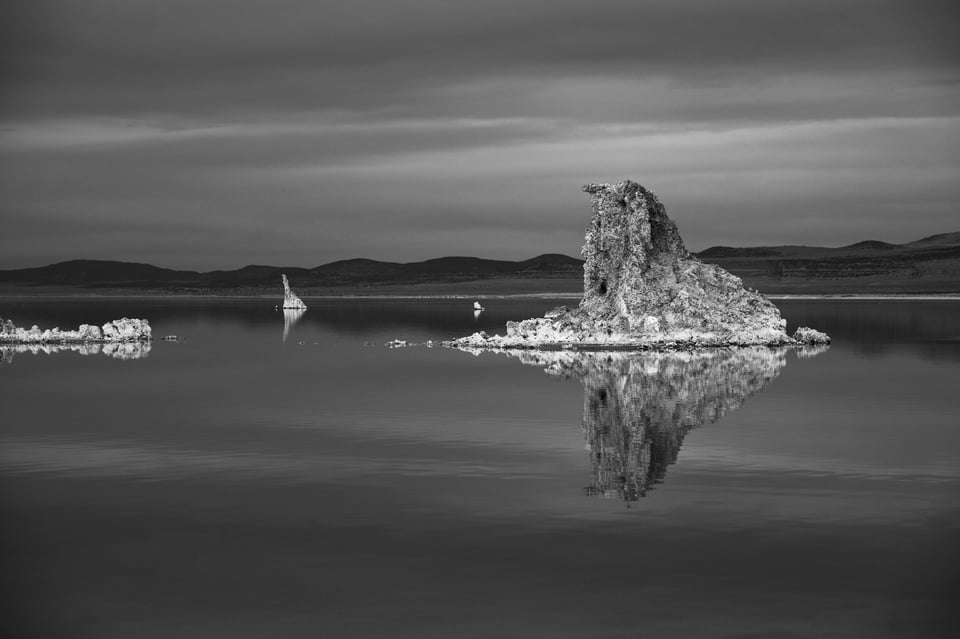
[267, 478]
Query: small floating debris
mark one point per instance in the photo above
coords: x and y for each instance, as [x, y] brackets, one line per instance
[173, 338]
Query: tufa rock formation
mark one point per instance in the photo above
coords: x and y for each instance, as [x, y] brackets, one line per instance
[290, 299]
[642, 289]
[121, 330]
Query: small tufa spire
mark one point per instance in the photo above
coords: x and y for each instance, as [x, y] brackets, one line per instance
[290, 299]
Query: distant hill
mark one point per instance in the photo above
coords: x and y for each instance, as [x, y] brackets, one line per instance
[96, 274]
[928, 265]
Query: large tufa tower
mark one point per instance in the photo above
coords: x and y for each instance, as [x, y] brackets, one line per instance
[628, 232]
[639, 277]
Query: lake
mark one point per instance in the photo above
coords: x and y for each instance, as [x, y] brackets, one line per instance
[273, 476]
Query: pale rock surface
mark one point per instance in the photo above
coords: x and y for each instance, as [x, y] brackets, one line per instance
[805, 335]
[290, 299]
[121, 330]
[642, 289]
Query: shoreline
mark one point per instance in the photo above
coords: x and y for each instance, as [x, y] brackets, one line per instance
[453, 296]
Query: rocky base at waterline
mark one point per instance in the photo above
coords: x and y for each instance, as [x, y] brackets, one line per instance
[642, 289]
[562, 329]
[117, 331]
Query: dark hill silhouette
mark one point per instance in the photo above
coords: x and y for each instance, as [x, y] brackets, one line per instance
[871, 245]
[112, 274]
[931, 264]
[85, 272]
[940, 239]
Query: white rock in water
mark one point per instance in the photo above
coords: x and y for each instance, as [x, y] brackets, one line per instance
[642, 289]
[121, 330]
[290, 299]
[805, 335]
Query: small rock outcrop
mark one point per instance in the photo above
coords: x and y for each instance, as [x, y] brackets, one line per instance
[117, 331]
[642, 289]
[290, 299]
[805, 335]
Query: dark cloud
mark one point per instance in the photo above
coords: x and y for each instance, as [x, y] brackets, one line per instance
[225, 132]
[186, 57]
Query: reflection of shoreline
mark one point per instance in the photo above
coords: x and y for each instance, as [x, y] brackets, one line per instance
[639, 406]
[116, 350]
[290, 318]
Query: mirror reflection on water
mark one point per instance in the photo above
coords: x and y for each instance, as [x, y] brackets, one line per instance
[639, 406]
[290, 318]
[288, 475]
[116, 350]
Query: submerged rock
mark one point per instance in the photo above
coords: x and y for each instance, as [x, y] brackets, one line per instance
[290, 299]
[642, 289]
[121, 330]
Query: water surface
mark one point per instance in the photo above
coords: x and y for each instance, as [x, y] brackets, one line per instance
[278, 475]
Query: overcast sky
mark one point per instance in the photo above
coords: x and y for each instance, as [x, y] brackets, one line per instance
[218, 133]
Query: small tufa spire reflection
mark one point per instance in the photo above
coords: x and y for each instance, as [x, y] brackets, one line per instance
[290, 318]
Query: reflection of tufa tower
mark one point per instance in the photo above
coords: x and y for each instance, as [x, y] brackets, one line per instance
[631, 437]
[639, 406]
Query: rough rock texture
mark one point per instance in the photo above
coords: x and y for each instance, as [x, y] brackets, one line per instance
[121, 330]
[804, 335]
[639, 406]
[290, 299]
[642, 289]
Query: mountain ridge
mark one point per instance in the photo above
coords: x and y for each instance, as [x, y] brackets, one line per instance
[929, 264]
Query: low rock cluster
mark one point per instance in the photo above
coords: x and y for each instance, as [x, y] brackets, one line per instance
[121, 330]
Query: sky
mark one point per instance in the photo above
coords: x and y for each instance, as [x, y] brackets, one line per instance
[219, 133]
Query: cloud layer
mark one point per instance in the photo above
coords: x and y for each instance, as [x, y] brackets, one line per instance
[217, 134]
